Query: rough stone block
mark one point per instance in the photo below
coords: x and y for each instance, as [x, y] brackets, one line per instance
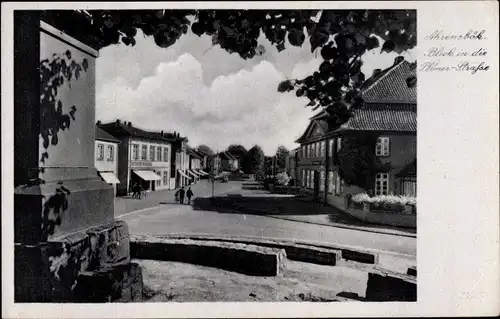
[383, 287]
[412, 271]
[122, 283]
[48, 272]
[361, 257]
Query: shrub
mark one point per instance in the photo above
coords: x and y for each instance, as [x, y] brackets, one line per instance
[385, 200]
[282, 178]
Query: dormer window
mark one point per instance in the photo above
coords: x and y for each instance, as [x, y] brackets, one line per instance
[382, 147]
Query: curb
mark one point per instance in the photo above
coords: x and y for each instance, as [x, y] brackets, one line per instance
[337, 225]
[298, 251]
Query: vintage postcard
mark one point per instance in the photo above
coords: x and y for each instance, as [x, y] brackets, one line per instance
[250, 159]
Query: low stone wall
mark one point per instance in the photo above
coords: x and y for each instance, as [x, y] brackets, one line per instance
[305, 252]
[381, 218]
[238, 257]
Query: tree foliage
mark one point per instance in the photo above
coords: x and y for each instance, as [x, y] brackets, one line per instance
[358, 164]
[342, 35]
[237, 150]
[204, 149]
[256, 160]
[281, 156]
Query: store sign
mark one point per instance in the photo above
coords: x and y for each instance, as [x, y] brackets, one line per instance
[141, 164]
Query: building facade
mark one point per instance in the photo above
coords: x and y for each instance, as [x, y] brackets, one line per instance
[106, 157]
[388, 112]
[143, 157]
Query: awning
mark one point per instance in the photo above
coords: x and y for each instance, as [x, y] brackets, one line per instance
[109, 178]
[203, 172]
[184, 174]
[192, 173]
[147, 175]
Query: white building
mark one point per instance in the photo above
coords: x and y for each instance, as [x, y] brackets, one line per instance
[106, 156]
[144, 157]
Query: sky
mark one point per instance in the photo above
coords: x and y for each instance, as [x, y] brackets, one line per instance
[210, 96]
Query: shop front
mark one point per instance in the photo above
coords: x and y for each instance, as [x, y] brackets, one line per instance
[150, 176]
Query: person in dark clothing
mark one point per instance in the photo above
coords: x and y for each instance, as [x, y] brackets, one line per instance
[181, 195]
[189, 194]
[135, 190]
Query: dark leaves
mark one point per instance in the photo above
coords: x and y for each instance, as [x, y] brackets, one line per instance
[411, 81]
[296, 37]
[388, 46]
[285, 86]
[318, 39]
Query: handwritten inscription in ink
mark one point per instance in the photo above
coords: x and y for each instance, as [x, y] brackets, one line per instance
[447, 58]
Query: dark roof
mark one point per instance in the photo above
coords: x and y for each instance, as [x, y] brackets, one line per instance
[121, 129]
[391, 86]
[202, 153]
[382, 117]
[226, 156]
[409, 170]
[104, 136]
[193, 153]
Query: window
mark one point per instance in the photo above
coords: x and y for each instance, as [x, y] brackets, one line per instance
[158, 181]
[303, 177]
[100, 152]
[135, 151]
[409, 187]
[382, 184]
[111, 153]
[144, 152]
[307, 178]
[165, 154]
[331, 184]
[152, 153]
[382, 148]
[330, 148]
[165, 178]
[311, 179]
[339, 143]
[323, 146]
[308, 146]
[158, 153]
[317, 149]
[322, 181]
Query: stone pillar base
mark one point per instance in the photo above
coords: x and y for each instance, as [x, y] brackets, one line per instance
[51, 271]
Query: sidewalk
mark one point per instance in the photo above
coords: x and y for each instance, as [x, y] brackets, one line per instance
[127, 204]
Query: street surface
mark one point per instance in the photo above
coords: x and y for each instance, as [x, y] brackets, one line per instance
[167, 217]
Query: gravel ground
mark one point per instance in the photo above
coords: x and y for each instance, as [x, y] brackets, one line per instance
[180, 282]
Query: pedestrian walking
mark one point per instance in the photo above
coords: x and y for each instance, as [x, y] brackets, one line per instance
[189, 194]
[135, 191]
[181, 195]
[176, 200]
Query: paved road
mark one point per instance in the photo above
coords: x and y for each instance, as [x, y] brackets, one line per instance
[175, 218]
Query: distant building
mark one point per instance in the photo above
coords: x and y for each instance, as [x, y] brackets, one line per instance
[388, 110]
[144, 157]
[194, 164]
[291, 164]
[106, 157]
[227, 162]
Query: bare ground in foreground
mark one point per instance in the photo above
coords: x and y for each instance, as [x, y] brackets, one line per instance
[180, 282]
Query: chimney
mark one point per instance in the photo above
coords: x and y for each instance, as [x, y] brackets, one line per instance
[161, 133]
[98, 123]
[129, 124]
[117, 121]
[175, 134]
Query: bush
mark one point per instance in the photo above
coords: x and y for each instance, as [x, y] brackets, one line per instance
[385, 200]
[282, 178]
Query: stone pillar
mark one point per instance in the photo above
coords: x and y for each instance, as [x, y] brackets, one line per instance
[64, 213]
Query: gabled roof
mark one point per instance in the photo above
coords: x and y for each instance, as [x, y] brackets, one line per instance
[315, 123]
[118, 128]
[391, 85]
[382, 117]
[104, 136]
[409, 170]
[191, 152]
[226, 156]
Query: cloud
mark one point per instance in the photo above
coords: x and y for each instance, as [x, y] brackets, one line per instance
[242, 107]
[209, 95]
